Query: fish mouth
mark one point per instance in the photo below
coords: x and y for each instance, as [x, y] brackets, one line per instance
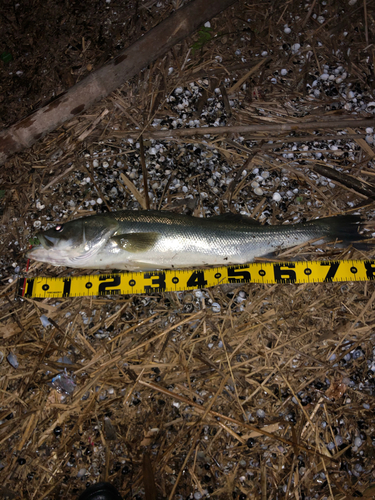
[40, 251]
[45, 241]
[43, 253]
[34, 251]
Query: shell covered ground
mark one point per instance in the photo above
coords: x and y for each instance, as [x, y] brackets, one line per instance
[237, 391]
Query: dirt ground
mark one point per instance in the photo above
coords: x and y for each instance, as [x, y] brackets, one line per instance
[237, 391]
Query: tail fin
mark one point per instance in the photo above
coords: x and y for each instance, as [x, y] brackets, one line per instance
[345, 229]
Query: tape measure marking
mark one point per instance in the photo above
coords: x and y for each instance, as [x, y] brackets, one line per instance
[191, 279]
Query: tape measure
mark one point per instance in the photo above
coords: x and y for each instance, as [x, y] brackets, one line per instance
[191, 279]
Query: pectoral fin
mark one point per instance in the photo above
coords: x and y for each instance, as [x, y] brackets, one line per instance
[136, 242]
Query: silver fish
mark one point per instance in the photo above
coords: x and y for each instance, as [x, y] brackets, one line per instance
[150, 240]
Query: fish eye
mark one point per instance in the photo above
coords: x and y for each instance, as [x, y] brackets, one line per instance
[59, 228]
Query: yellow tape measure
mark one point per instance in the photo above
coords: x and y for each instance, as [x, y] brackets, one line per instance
[190, 279]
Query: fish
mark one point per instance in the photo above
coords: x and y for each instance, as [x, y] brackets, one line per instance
[148, 240]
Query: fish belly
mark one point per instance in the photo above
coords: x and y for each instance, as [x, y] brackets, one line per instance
[175, 252]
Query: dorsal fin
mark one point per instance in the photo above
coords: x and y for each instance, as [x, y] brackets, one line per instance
[240, 219]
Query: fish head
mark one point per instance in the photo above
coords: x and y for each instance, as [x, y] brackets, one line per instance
[74, 243]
